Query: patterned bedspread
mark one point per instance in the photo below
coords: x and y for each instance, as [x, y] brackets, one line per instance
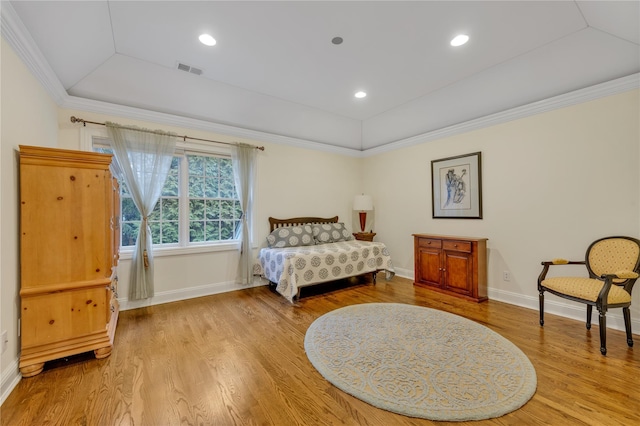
[294, 267]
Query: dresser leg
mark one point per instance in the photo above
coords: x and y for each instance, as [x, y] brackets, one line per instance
[32, 370]
[103, 352]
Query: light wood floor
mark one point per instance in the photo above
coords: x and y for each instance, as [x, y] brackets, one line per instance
[238, 359]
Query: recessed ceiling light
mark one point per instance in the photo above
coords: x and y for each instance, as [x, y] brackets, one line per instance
[459, 40]
[360, 94]
[206, 39]
[337, 40]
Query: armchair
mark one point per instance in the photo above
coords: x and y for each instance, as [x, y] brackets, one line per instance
[613, 264]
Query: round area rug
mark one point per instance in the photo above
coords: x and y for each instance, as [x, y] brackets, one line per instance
[420, 362]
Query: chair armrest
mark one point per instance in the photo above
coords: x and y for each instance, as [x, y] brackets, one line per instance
[556, 261]
[620, 275]
[629, 276]
[626, 275]
[560, 261]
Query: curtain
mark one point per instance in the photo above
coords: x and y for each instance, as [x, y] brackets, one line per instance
[144, 158]
[243, 158]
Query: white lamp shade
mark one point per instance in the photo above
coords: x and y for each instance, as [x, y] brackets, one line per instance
[363, 202]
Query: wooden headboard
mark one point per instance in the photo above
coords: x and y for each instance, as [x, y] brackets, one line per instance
[279, 223]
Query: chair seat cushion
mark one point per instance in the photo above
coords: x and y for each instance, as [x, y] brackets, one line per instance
[586, 288]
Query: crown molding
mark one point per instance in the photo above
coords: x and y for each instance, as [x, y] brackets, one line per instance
[15, 33]
[609, 88]
[99, 107]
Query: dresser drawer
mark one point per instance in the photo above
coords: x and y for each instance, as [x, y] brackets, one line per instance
[429, 242]
[464, 246]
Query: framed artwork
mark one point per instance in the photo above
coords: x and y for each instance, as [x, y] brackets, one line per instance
[456, 187]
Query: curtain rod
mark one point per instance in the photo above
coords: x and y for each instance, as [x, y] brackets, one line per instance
[184, 138]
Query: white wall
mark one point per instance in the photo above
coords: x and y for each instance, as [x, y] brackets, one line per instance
[28, 117]
[552, 183]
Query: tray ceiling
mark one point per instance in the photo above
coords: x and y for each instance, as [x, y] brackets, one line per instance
[274, 68]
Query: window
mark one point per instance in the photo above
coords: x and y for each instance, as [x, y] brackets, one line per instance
[198, 205]
[214, 209]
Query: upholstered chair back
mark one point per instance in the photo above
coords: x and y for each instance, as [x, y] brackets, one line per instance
[612, 255]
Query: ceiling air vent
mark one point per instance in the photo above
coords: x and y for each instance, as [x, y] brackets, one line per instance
[189, 68]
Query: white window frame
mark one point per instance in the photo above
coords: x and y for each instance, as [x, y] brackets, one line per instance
[87, 137]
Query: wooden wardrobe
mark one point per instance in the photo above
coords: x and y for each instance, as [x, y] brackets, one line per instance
[70, 236]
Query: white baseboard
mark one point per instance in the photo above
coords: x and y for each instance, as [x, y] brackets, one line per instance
[404, 273]
[552, 305]
[10, 379]
[187, 293]
[557, 306]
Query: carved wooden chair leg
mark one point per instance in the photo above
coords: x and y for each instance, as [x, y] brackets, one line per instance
[589, 310]
[602, 320]
[627, 326]
[542, 307]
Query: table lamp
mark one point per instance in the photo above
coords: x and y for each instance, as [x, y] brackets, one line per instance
[363, 203]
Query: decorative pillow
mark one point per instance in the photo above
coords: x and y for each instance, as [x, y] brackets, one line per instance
[331, 233]
[291, 236]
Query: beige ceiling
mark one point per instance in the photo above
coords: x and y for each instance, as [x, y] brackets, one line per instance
[275, 70]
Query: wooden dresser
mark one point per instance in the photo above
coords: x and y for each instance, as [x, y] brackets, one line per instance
[453, 265]
[70, 236]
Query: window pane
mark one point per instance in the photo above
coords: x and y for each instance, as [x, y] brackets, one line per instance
[196, 210]
[196, 187]
[212, 209]
[226, 209]
[124, 189]
[226, 167]
[227, 228]
[196, 231]
[172, 184]
[129, 233]
[213, 231]
[103, 150]
[227, 188]
[155, 213]
[212, 197]
[211, 187]
[196, 165]
[129, 210]
[170, 233]
[170, 209]
[211, 167]
[238, 212]
[155, 232]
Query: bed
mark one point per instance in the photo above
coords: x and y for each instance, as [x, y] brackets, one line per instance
[330, 253]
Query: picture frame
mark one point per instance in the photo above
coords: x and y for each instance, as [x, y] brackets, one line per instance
[456, 187]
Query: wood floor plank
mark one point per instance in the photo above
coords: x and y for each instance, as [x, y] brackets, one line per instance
[238, 359]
